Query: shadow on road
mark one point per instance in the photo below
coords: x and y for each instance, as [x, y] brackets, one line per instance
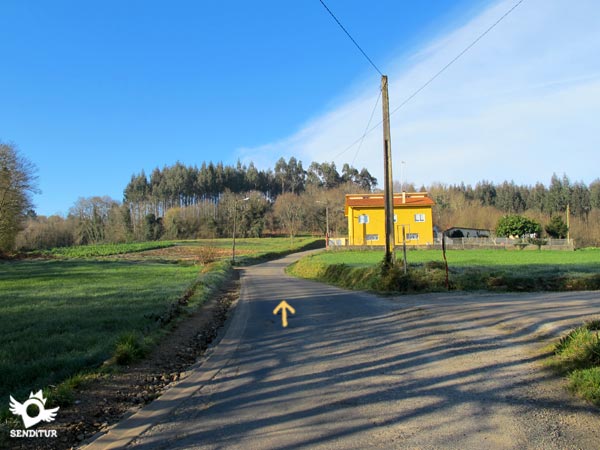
[356, 369]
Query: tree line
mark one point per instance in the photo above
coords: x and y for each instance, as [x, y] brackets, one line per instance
[180, 185]
[186, 202]
[483, 205]
[512, 198]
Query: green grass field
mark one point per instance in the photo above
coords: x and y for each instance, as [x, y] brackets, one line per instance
[495, 270]
[61, 317]
[96, 250]
[246, 247]
[587, 260]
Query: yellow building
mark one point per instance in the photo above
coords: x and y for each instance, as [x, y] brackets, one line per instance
[366, 218]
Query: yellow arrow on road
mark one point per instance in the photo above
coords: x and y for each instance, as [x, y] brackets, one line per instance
[284, 307]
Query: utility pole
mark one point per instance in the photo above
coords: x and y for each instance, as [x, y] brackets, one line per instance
[234, 223]
[235, 202]
[401, 175]
[568, 223]
[388, 195]
[404, 263]
[326, 203]
[327, 226]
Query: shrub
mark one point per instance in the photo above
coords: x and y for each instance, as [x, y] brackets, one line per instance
[130, 347]
[580, 348]
[537, 241]
[578, 354]
[557, 228]
[207, 254]
[515, 225]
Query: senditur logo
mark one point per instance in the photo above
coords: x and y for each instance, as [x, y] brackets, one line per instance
[45, 415]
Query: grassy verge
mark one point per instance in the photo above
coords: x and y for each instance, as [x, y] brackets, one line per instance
[62, 319]
[586, 260]
[494, 270]
[577, 355]
[370, 278]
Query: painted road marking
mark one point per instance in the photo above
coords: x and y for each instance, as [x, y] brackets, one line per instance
[284, 307]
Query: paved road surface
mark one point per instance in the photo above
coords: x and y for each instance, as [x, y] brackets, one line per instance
[355, 371]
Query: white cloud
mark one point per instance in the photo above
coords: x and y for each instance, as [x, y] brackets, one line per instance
[521, 104]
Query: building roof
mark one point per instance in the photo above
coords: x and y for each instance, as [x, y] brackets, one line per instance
[406, 199]
[467, 228]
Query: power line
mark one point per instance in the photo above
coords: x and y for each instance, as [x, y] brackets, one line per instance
[366, 128]
[365, 133]
[456, 58]
[351, 38]
[442, 70]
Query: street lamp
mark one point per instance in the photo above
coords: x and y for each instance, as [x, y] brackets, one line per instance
[235, 202]
[326, 222]
[401, 179]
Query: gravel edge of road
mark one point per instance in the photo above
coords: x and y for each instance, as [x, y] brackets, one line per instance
[215, 358]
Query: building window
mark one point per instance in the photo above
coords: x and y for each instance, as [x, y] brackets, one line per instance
[419, 217]
[372, 237]
[412, 236]
[363, 218]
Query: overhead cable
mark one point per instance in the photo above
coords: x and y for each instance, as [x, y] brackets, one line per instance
[351, 38]
[437, 74]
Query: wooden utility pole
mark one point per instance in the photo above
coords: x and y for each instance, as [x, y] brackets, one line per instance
[388, 195]
[234, 223]
[404, 262]
[235, 202]
[568, 223]
[327, 226]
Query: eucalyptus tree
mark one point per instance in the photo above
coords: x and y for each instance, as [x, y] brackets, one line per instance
[366, 181]
[580, 202]
[537, 199]
[558, 195]
[281, 174]
[324, 174]
[296, 176]
[485, 193]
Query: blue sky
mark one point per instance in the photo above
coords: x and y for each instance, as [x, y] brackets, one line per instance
[92, 92]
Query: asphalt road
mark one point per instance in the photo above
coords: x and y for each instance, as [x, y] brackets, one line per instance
[354, 371]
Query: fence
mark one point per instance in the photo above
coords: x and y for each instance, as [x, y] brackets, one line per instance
[489, 243]
[506, 243]
[338, 242]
